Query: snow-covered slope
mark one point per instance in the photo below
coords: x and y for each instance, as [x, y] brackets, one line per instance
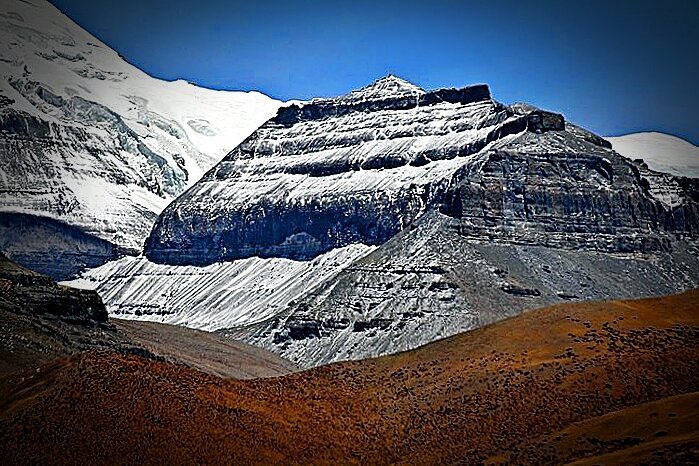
[662, 152]
[93, 142]
[227, 294]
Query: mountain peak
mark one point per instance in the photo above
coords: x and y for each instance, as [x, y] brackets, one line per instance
[387, 87]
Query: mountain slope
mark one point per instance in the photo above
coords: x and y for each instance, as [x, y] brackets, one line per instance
[662, 152]
[572, 382]
[93, 148]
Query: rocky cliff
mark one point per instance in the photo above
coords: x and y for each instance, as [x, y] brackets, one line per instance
[361, 167]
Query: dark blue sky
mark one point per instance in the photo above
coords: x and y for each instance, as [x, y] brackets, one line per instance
[612, 66]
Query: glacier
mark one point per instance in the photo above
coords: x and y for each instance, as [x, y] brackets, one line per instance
[661, 152]
[93, 149]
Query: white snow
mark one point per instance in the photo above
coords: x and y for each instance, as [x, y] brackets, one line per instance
[221, 295]
[662, 152]
[92, 176]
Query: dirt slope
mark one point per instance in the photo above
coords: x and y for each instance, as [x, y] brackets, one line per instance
[611, 382]
[205, 351]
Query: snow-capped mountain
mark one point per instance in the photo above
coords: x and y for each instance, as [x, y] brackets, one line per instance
[661, 152]
[93, 148]
[474, 211]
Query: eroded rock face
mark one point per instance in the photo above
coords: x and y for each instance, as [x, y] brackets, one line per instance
[27, 291]
[54, 248]
[430, 282]
[332, 172]
[558, 190]
[360, 167]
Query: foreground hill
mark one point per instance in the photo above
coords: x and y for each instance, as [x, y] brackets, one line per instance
[597, 382]
[41, 321]
[92, 147]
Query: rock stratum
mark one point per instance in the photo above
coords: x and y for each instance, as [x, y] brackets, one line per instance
[93, 148]
[594, 383]
[474, 211]
[360, 168]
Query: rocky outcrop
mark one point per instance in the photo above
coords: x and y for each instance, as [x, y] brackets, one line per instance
[361, 167]
[558, 190]
[27, 291]
[332, 172]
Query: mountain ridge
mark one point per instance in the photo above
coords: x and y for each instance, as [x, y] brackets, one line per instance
[472, 210]
[571, 382]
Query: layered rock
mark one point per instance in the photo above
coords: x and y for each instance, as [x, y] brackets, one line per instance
[90, 142]
[358, 168]
[361, 167]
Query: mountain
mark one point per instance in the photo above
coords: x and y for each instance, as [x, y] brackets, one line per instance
[661, 152]
[599, 383]
[41, 321]
[468, 211]
[93, 148]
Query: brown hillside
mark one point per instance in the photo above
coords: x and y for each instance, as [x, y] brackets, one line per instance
[612, 382]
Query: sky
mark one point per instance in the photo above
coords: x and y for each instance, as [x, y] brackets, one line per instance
[614, 67]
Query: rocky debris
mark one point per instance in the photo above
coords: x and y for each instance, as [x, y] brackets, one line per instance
[298, 328]
[492, 281]
[375, 323]
[517, 290]
[41, 321]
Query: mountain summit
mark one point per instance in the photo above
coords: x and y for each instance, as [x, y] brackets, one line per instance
[331, 172]
[387, 87]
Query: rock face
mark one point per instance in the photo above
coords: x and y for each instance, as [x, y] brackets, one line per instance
[479, 210]
[332, 172]
[430, 282]
[39, 294]
[91, 142]
[361, 167]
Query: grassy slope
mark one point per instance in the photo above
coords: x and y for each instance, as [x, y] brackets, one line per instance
[565, 383]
